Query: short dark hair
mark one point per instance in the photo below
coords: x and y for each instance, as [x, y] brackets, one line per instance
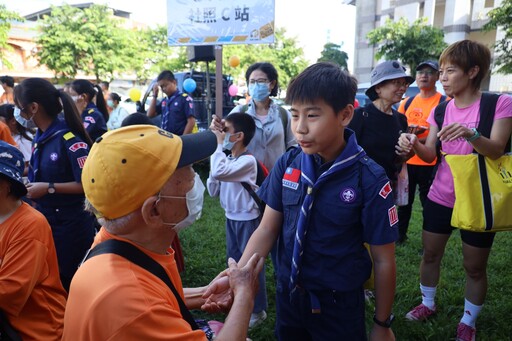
[326, 81]
[115, 97]
[7, 80]
[267, 69]
[466, 54]
[105, 83]
[166, 74]
[244, 123]
[136, 118]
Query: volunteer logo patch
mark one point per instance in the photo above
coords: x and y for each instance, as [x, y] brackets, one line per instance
[393, 216]
[81, 161]
[385, 190]
[291, 178]
[78, 145]
[348, 195]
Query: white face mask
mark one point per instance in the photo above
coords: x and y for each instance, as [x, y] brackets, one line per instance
[194, 199]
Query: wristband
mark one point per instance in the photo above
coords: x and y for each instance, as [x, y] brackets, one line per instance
[385, 324]
[475, 136]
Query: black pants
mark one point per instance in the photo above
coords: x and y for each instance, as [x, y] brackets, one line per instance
[420, 176]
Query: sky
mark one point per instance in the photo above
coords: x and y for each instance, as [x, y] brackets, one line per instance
[313, 26]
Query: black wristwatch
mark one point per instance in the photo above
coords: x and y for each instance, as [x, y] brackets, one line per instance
[385, 324]
[51, 188]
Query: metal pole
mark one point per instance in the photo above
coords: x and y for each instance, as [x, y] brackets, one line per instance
[208, 95]
[218, 81]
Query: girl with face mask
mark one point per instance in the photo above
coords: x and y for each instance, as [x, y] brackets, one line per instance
[118, 113]
[94, 115]
[273, 132]
[60, 148]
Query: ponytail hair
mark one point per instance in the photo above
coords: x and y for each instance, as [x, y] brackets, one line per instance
[72, 117]
[82, 86]
[53, 101]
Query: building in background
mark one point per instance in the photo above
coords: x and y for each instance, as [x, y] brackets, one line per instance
[459, 19]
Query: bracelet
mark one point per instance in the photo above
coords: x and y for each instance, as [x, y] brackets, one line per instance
[475, 136]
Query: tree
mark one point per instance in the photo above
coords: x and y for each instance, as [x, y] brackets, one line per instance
[501, 17]
[5, 26]
[88, 40]
[410, 44]
[333, 53]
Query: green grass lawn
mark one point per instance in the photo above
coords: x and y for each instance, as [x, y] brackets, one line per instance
[204, 247]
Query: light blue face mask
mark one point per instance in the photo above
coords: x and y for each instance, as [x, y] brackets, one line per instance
[227, 144]
[110, 103]
[29, 124]
[259, 91]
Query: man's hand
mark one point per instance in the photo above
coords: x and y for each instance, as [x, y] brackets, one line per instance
[218, 295]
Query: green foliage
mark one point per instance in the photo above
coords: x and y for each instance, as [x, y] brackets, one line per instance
[5, 26]
[284, 54]
[410, 44]
[502, 17]
[333, 53]
[88, 40]
[204, 248]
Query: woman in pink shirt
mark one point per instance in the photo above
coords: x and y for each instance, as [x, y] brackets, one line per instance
[463, 66]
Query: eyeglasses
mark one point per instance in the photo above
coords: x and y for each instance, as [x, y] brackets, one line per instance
[399, 84]
[426, 72]
[259, 81]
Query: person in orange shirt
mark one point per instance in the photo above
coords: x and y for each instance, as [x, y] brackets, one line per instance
[5, 134]
[7, 83]
[417, 110]
[32, 298]
[138, 179]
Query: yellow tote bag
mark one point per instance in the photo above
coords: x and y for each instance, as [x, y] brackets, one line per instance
[483, 192]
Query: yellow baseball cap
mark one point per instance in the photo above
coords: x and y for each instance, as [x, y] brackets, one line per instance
[128, 165]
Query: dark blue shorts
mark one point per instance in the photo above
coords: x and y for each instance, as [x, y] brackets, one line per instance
[342, 315]
[437, 219]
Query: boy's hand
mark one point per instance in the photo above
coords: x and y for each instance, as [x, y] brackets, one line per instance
[379, 333]
[156, 89]
[217, 127]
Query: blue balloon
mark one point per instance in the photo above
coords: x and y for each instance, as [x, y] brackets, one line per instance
[189, 85]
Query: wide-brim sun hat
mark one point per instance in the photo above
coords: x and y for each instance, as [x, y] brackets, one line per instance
[386, 71]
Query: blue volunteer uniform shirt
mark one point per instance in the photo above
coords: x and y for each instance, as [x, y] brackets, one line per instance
[58, 156]
[93, 121]
[354, 206]
[175, 111]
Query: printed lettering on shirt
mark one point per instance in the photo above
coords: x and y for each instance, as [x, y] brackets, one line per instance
[78, 145]
[385, 190]
[393, 216]
[348, 195]
[81, 161]
[54, 157]
[291, 178]
[90, 119]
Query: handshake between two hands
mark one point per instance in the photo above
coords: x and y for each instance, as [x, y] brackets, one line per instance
[231, 282]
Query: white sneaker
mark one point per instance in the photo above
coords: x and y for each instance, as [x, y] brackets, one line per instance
[257, 319]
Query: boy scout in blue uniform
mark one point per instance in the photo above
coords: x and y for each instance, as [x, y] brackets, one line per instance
[324, 201]
[177, 109]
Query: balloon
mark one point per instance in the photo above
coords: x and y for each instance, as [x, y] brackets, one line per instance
[234, 61]
[356, 104]
[189, 85]
[233, 90]
[134, 94]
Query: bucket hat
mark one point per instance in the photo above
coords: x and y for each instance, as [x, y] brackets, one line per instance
[12, 165]
[383, 72]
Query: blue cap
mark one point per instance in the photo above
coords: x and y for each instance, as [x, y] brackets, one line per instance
[12, 165]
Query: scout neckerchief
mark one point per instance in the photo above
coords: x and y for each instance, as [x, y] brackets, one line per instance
[313, 184]
[169, 100]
